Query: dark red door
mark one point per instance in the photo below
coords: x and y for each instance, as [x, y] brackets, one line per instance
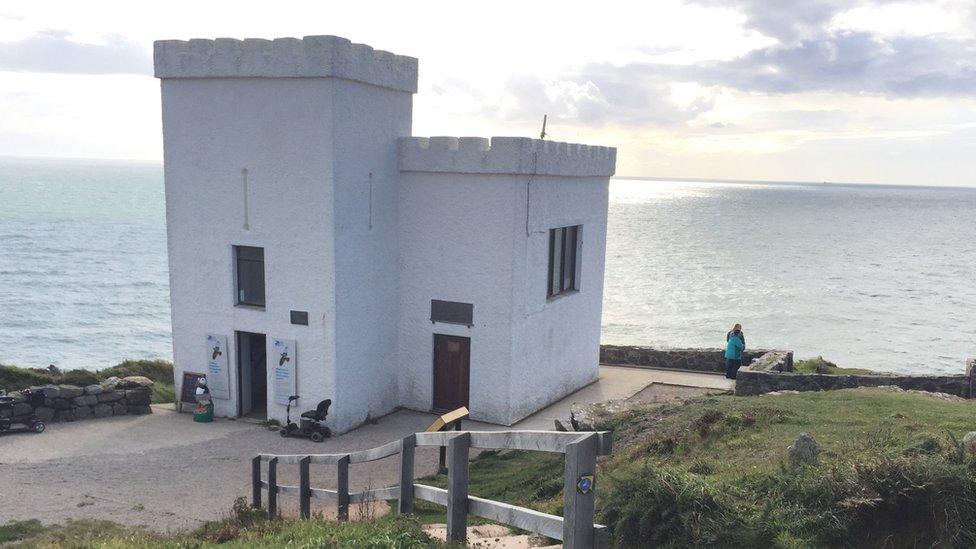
[452, 369]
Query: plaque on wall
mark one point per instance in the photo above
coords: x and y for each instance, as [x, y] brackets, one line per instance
[451, 312]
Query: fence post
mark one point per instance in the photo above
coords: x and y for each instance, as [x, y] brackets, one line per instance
[256, 482]
[407, 446]
[342, 487]
[457, 488]
[578, 493]
[273, 487]
[304, 490]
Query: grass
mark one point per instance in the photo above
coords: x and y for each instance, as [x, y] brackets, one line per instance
[13, 378]
[819, 365]
[244, 528]
[713, 471]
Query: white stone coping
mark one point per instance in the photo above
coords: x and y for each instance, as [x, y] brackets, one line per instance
[505, 155]
[308, 57]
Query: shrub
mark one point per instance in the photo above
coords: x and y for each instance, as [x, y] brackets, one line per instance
[80, 378]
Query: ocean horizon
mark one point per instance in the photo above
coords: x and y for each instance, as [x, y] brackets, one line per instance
[872, 276]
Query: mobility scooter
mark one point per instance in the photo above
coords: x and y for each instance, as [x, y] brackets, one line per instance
[312, 423]
[25, 422]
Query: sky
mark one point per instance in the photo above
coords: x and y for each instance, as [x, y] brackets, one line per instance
[872, 91]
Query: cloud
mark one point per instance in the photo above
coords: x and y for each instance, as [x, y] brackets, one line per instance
[51, 51]
[597, 96]
[785, 20]
[852, 62]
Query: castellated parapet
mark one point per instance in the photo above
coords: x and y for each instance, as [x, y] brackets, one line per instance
[505, 155]
[309, 57]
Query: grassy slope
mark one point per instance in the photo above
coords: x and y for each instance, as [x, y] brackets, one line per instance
[809, 366]
[13, 378]
[713, 471]
[236, 532]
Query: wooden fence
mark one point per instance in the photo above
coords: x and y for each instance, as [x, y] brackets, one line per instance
[575, 529]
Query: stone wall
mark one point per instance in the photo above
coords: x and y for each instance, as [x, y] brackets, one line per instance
[756, 381]
[69, 402]
[697, 360]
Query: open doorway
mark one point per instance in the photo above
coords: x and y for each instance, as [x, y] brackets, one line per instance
[252, 375]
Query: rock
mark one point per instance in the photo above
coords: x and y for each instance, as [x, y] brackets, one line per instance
[82, 412]
[44, 413]
[94, 390]
[559, 426]
[21, 409]
[120, 409]
[110, 396]
[71, 391]
[63, 404]
[64, 415]
[102, 410]
[85, 400]
[140, 410]
[138, 397]
[5, 413]
[111, 383]
[805, 450]
[969, 442]
[49, 391]
[132, 382]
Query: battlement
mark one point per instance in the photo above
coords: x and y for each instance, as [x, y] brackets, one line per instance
[505, 155]
[311, 56]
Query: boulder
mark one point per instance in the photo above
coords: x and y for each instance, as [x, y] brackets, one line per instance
[49, 391]
[969, 442]
[85, 400]
[64, 415]
[63, 404]
[102, 410]
[21, 409]
[44, 413]
[805, 450]
[82, 412]
[133, 382]
[71, 391]
[120, 409]
[111, 383]
[110, 396]
[140, 410]
[94, 390]
[138, 397]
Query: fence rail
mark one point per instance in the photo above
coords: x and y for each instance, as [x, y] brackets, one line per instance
[575, 529]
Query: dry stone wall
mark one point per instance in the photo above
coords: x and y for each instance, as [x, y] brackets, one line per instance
[757, 380]
[696, 360]
[114, 397]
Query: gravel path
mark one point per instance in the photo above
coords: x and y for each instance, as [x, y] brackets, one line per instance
[167, 473]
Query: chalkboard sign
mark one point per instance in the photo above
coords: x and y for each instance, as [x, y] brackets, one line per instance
[188, 389]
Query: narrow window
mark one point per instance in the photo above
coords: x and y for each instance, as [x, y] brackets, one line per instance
[564, 259]
[250, 275]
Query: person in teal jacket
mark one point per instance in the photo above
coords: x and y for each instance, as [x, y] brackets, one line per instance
[735, 343]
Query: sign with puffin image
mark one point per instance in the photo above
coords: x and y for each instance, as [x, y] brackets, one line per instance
[284, 360]
[218, 375]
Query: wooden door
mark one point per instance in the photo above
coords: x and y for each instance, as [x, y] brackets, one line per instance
[452, 370]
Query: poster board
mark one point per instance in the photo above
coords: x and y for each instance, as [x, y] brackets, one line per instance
[188, 389]
[284, 359]
[218, 374]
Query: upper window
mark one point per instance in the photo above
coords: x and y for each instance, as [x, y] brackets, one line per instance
[250, 275]
[564, 259]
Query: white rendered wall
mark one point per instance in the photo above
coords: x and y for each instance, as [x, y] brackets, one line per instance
[556, 341]
[367, 122]
[456, 235]
[212, 129]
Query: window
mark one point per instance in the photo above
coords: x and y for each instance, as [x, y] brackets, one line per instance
[250, 275]
[564, 259]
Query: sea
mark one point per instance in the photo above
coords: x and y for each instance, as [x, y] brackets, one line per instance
[870, 276]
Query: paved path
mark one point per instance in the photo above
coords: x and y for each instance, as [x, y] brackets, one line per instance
[167, 473]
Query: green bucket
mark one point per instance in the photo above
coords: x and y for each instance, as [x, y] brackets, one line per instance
[206, 416]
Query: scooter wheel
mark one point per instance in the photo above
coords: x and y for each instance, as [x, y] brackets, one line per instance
[283, 432]
[38, 426]
[317, 437]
